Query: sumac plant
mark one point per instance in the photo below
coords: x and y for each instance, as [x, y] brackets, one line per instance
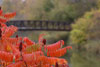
[22, 52]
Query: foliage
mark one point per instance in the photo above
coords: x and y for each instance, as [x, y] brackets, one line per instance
[86, 30]
[98, 4]
[94, 50]
[78, 37]
[63, 10]
[70, 10]
[22, 52]
[66, 10]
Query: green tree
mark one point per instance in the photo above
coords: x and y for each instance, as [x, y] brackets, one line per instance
[86, 30]
[63, 10]
[66, 10]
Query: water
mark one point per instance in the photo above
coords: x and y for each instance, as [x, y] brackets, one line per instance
[50, 36]
[81, 59]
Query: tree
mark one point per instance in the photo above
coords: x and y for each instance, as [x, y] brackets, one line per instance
[86, 31]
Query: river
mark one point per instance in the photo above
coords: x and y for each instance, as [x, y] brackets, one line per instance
[82, 59]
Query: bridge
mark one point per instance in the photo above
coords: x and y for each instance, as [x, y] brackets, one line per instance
[40, 25]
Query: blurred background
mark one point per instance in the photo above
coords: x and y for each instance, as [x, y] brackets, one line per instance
[84, 36]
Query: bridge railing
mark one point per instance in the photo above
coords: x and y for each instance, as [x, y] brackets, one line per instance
[30, 25]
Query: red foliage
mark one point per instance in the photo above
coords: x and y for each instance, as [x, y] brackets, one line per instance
[22, 52]
[0, 12]
[10, 15]
[55, 46]
[8, 57]
[2, 20]
[27, 41]
[17, 64]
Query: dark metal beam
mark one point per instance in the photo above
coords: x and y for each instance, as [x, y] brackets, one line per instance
[41, 25]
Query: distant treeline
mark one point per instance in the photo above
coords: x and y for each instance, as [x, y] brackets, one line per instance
[64, 10]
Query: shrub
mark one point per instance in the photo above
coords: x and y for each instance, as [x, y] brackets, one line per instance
[86, 29]
[22, 52]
